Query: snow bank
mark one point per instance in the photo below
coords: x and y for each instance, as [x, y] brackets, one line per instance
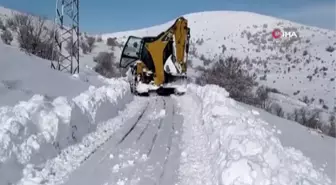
[34, 131]
[56, 171]
[242, 149]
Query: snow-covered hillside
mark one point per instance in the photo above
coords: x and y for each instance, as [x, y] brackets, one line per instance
[43, 111]
[298, 67]
[57, 128]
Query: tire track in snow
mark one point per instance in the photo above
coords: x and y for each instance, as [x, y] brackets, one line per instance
[138, 119]
[124, 137]
[169, 174]
[158, 168]
[127, 156]
[103, 143]
[158, 130]
[146, 127]
[143, 131]
[171, 133]
[147, 154]
[93, 162]
[143, 144]
[133, 126]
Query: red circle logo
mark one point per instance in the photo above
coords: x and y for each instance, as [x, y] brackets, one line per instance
[276, 33]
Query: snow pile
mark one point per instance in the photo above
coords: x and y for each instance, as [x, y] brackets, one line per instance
[157, 114]
[94, 98]
[239, 148]
[34, 131]
[142, 88]
[56, 170]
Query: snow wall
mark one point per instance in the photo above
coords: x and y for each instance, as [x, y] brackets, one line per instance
[35, 131]
[238, 147]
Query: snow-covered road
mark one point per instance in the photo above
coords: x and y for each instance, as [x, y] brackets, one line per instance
[144, 151]
[201, 138]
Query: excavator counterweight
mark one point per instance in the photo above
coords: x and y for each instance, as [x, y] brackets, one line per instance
[158, 62]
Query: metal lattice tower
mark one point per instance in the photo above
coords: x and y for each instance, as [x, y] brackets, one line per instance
[67, 26]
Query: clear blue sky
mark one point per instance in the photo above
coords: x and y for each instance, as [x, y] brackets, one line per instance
[101, 16]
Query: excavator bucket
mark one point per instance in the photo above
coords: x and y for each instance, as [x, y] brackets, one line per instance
[177, 85]
[161, 91]
[165, 91]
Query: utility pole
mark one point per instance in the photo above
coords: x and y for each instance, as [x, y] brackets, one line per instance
[67, 26]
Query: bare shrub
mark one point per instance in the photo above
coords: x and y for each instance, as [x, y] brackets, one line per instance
[206, 61]
[306, 100]
[91, 43]
[308, 118]
[330, 49]
[230, 74]
[223, 48]
[325, 107]
[276, 109]
[332, 130]
[7, 37]
[85, 47]
[112, 42]
[200, 68]
[192, 49]
[2, 26]
[104, 64]
[262, 95]
[72, 48]
[34, 37]
[273, 90]
[99, 38]
[190, 63]
[48, 49]
[294, 116]
[10, 23]
[263, 77]
[200, 41]
[313, 120]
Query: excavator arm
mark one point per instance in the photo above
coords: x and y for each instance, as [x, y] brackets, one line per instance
[178, 36]
[181, 36]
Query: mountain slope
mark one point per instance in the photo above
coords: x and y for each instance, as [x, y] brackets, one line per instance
[297, 67]
[298, 136]
[17, 82]
[60, 128]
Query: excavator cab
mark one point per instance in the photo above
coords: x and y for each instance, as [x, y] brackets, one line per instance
[131, 52]
[159, 60]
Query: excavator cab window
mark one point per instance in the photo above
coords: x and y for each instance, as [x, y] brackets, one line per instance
[131, 51]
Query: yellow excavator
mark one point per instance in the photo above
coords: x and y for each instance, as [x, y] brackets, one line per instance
[157, 63]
